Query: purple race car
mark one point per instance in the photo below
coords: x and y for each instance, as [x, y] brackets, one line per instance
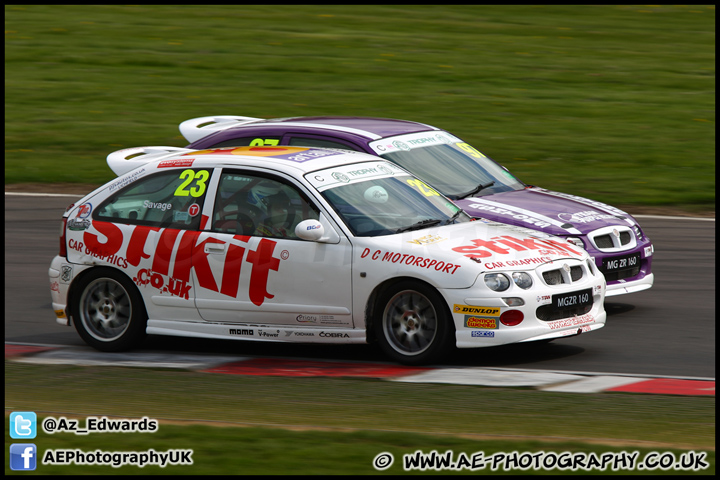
[476, 183]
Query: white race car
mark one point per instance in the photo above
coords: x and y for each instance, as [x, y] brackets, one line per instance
[297, 244]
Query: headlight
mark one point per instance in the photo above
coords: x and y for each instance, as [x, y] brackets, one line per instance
[638, 232]
[522, 280]
[497, 282]
[575, 241]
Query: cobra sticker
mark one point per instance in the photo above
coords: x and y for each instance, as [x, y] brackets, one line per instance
[473, 310]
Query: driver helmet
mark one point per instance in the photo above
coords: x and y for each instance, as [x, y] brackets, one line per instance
[258, 196]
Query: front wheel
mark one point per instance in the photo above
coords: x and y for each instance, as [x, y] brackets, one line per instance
[108, 311]
[413, 325]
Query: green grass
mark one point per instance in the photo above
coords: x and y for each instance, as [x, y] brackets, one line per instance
[612, 102]
[336, 425]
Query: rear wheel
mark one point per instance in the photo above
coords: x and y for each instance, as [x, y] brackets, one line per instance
[413, 324]
[108, 311]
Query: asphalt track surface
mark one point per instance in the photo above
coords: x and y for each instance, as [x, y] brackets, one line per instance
[668, 330]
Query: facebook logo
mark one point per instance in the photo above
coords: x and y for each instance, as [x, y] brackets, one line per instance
[23, 425]
[23, 456]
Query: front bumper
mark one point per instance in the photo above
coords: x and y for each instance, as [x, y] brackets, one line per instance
[61, 274]
[477, 314]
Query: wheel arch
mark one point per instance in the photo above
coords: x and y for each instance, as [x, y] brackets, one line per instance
[79, 280]
[370, 307]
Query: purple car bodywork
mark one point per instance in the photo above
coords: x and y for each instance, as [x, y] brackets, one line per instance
[476, 183]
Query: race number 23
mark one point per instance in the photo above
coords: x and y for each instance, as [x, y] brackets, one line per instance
[189, 177]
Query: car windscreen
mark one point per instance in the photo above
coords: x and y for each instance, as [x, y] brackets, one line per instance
[455, 169]
[392, 204]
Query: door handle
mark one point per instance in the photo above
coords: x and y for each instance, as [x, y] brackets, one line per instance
[214, 247]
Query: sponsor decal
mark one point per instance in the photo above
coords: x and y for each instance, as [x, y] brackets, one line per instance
[189, 255]
[648, 251]
[309, 155]
[184, 162]
[77, 224]
[400, 145]
[333, 335]
[536, 222]
[505, 244]
[81, 220]
[84, 210]
[241, 331]
[114, 259]
[193, 210]
[291, 333]
[340, 177]
[586, 216]
[471, 321]
[327, 319]
[482, 333]
[428, 240]
[411, 260]
[55, 286]
[66, 273]
[265, 333]
[173, 286]
[127, 180]
[518, 263]
[544, 299]
[385, 170]
[571, 322]
[473, 310]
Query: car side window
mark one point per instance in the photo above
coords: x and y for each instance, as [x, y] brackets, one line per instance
[259, 205]
[170, 199]
[309, 141]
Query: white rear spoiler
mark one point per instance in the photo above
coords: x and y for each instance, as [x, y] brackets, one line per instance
[123, 161]
[197, 128]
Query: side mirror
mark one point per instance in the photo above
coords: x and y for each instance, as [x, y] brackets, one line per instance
[310, 230]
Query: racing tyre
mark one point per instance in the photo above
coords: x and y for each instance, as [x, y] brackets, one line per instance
[413, 324]
[108, 311]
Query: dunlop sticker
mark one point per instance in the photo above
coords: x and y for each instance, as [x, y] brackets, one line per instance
[472, 310]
